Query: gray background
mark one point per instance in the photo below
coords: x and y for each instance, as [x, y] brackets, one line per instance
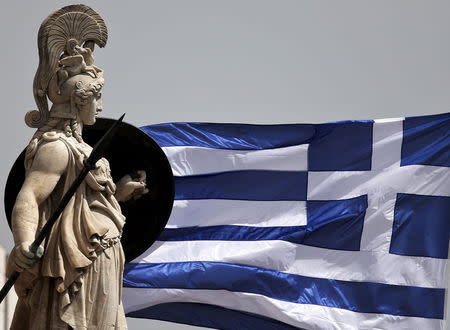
[250, 61]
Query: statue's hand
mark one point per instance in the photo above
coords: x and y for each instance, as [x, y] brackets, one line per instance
[128, 188]
[22, 258]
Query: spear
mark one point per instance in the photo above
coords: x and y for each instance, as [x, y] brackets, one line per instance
[89, 164]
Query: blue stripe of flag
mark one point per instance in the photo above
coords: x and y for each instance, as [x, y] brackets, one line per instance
[364, 297]
[230, 136]
[218, 317]
[244, 185]
[294, 234]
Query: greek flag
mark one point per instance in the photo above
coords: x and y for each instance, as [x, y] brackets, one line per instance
[342, 225]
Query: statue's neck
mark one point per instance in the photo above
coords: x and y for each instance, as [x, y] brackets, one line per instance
[63, 112]
[80, 127]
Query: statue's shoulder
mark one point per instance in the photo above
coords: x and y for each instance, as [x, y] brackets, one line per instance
[53, 145]
[52, 141]
[57, 140]
[49, 151]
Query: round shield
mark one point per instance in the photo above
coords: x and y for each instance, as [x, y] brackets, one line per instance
[130, 150]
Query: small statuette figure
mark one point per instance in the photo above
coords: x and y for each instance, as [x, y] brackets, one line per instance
[74, 279]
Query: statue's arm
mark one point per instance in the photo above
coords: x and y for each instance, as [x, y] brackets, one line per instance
[49, 164]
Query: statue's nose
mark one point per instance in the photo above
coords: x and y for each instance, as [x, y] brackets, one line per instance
[99, 105]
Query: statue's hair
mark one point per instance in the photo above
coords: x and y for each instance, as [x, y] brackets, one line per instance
[83, 92]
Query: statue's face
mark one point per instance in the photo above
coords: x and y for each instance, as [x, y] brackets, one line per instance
[89, 111]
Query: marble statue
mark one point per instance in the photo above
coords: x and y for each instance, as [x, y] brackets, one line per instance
[74, 280]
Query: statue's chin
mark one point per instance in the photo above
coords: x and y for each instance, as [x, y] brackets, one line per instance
[90, 122]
